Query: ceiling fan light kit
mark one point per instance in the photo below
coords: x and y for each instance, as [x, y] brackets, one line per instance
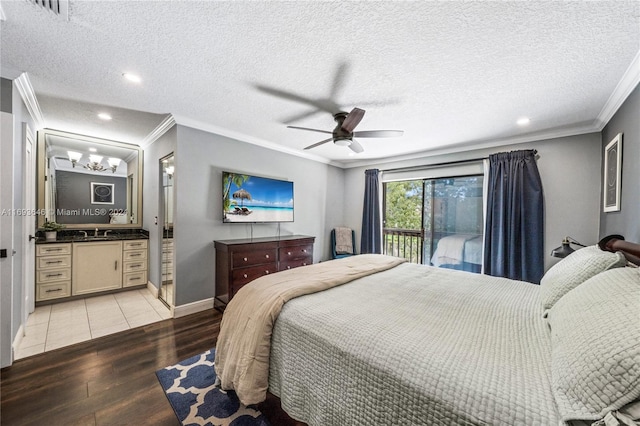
[343, 134]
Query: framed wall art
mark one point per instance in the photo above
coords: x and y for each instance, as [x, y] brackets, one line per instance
[612, 178]
[101, 193]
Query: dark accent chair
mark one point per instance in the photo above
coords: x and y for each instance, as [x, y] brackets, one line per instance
[335, 255]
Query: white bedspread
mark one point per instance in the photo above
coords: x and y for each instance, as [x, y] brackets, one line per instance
[415, 345]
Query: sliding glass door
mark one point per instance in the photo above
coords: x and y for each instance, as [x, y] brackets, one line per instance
[436, 222]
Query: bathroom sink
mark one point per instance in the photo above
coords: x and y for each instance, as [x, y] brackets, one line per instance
[93, 238]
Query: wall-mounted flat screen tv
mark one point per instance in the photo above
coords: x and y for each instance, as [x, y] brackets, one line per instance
[255, 199]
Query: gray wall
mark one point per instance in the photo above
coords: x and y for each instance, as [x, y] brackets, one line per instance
[626, 121]
[200, 159]
[6, 95]
[73, 192]
[570, 173]
[151, 210]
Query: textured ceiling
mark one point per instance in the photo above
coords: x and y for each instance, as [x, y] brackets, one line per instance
[450, 74]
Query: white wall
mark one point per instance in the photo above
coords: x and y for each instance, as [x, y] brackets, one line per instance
[200, 159]
[570, 172]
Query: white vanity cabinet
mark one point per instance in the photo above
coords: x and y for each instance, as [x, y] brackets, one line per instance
[97, 266]
[53, 271]
[134, 261]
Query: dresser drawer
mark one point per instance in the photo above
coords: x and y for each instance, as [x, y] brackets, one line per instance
[134, 245]
[296, 263]
[49, 275]
[134, 255]
[241, 259]
[244, 275]
[53, 290]
[48, 262]
[134, 278]
[135, 266]
[51, 249]
[295, 252]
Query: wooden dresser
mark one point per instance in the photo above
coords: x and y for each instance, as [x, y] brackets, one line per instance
[241, 261]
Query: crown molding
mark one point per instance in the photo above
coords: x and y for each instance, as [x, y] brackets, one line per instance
[162, 128]
[184, 121]
[627, 84]
[3, 16]
[28, 95]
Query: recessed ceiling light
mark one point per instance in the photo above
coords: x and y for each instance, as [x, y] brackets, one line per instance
[104, 116]
[523, 121]
[132, 77]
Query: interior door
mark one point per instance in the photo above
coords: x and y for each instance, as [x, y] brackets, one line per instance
[6, 232]
[29, 222]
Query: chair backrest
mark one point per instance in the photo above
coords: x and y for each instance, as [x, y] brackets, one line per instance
[335, 252]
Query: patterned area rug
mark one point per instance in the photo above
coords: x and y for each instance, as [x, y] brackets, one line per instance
[189, 386]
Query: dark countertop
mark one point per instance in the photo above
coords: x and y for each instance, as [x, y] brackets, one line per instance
[78, 237]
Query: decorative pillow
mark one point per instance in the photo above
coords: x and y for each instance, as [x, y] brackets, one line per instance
[575, 269]
[595, 345]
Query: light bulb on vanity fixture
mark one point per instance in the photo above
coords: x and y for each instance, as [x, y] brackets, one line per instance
[113, 163]
[74, 157]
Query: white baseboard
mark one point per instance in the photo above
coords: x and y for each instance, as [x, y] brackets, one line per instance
[16, 342]
[192, 308]
[152, 288]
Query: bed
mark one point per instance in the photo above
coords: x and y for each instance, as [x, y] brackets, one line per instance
[461, 252]
[419, 345]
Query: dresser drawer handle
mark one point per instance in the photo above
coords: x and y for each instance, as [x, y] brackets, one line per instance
[135, 254]
[266, 272]
[304, 250]
[288, 253]
[304, 263]
[245, 275]
[53, 249]
[53, 290]
[288, 267]
[56, 261]
[266, 255]
[136, 265]
[135, 279]
[245, 259]
[135, 244]
[54, 275]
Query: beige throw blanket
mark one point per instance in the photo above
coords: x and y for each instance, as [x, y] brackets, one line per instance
[344, 240]
[244, 343]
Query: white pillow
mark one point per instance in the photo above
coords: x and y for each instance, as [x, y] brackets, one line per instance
[595, 345]
[575, 269]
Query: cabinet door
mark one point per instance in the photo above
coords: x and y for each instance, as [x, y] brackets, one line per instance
[96, 267]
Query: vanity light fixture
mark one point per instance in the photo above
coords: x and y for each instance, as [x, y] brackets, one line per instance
[113, 163]
[104, 116]
[74, 157]
[170, 171]
[94, 163]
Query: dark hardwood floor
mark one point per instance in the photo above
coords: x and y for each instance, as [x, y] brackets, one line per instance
[110, 380]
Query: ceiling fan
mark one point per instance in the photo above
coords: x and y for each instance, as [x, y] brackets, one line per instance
[343, 134]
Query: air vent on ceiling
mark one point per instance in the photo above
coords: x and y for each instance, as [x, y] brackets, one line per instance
[58, 7]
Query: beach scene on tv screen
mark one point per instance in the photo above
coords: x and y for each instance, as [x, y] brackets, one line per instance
[256, 199]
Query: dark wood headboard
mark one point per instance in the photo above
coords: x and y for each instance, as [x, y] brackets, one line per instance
[613, 243]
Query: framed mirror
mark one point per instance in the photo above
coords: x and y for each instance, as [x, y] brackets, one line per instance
[87, 182]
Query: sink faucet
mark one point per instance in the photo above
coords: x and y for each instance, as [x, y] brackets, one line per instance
[85, 233]
[95, 233]
[106, 232]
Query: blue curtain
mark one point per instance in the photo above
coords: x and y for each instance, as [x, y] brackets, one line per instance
[514, 233]
[371, 241]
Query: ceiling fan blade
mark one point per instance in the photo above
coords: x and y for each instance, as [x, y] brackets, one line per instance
[298, 117]
[319, 143]
[355, 146]
[311, 130]
[320, 104]
[379, 133]
[338, 80]
[352, 119]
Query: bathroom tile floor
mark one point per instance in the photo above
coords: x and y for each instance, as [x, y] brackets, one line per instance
[54, 326]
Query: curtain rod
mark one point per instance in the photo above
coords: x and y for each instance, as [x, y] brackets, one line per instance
[424, 166]
[446, 163]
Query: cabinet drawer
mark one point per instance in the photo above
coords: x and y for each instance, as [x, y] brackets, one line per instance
[135, 266]
[48, 262]
[295, 252]
[134, 278]
[50, 249]
[295, 263]
[134, 255]
[53, 291]
[134, 245]
[49, 275]
[256, 257]
[244, 275]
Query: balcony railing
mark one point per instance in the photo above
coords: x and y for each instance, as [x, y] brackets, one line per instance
[406, 243]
